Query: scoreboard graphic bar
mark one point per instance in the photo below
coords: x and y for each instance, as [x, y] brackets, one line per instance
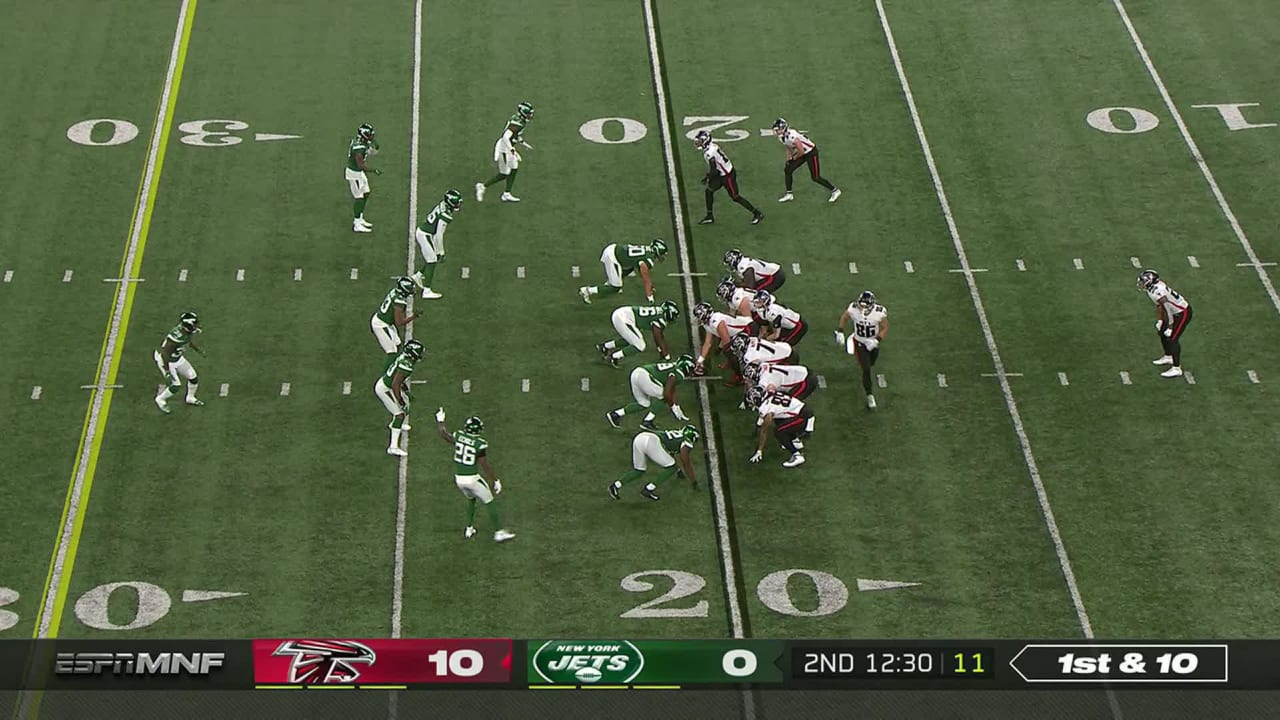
[633, 664]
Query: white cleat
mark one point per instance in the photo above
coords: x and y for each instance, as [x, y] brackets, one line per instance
[360, 228]
[429, 294]
[363, 222]
[164, 406]
[503, 536]
[393, 450]
[1163, 360]
[786, 197]
[835, 195]
[871, 401]
[479, 192]
[585, 294]
[1174, 371]
[798, 443]
[195, 402]
[469, 533]
[508, 197]
[795, 460]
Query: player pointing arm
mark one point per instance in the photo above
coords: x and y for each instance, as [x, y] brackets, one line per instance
[470, 451]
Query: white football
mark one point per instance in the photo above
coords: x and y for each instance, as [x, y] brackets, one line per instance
[588, 675]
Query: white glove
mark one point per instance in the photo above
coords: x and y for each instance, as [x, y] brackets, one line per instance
[497, 486]
[675, 410]
[527, 145]
[649, 298]
[440, 415]
[1159, 326]
[872, 343]
[756, 458]
[839, 338]
[1168, 332]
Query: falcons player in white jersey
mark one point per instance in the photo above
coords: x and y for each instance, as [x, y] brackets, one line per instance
[718, 327]
[720, 174]
[800, 151]
[870, 325]
[777, 322]
[738, 299]
[756, 274]
[790, 379]
[747, 350]
[1173, 312]
[789, 418]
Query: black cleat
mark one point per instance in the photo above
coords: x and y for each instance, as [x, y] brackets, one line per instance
[611, 359]
[652, 495]
[755, 219]
[706, 220]
[603, 350]
[648, 425]
[613, 490]
[613, 418]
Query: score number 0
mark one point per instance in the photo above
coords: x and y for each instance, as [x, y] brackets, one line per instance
[738, 663]
[459, 663]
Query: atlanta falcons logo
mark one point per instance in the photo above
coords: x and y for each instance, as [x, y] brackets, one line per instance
[324, 662]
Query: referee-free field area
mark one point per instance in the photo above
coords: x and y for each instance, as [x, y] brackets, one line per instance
[1006, 172]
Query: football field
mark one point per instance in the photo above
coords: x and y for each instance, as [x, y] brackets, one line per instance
[1007, 169]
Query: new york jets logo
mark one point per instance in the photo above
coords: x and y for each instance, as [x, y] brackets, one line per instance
[572, 662]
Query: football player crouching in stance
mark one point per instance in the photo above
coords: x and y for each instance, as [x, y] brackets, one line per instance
[655, 381]
[628, 320]
[720, 330]
[471, 458]
[658, 446]
[790, 379]
[392, 388]
[789, 418]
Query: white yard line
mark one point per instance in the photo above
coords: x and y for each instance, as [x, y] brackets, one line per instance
[1199, 158]
[56, 573]
[1024, 442]
[728, 563]
[402, 471]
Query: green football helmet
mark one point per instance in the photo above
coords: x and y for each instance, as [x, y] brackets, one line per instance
[685, 364]
[473, 425]
[670, 310]
[365, 131]
[525, 110]
[690, 433]
[453, 199]
[659, 246]
[189, 322]
[405, 286]
[415, 349]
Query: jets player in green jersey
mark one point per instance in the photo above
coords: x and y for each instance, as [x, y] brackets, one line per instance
[392, 389]
[506, 155]
[659, 446]
[391, 315]
[627, 321]
[471, 458]
[430, 236]
[652, 382]
[173, 364]
[620, 260]
[362, 147]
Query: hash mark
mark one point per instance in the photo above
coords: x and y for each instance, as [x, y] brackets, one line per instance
[466, 272]
[575, 271]
[240, 275]
[66, 276]
[8, 275]
[1191, 379]
[1008, 374]
[346, 387]
[1078, 263]
[182, 275]
[1260, 264]
[284, 389]
[1062, 379]
[795, 268]
[520, 272]
[223, 389]
[297, 274]
[524, 384]
[1022, 267]
[1124, 378]
[822, 381]
[1193, 261]
[908, 266]
[37, 391]
[880, 380]
[1135, 262]
[853, 268]
[466, 386]
[942, 380]
[967, 270]
[586, 384]
[1253, 377]
[355, 273]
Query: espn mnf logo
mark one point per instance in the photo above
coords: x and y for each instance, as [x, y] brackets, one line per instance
[160, 664]
[571, 662]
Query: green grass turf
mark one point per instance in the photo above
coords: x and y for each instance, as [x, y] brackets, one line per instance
[1161, 488]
